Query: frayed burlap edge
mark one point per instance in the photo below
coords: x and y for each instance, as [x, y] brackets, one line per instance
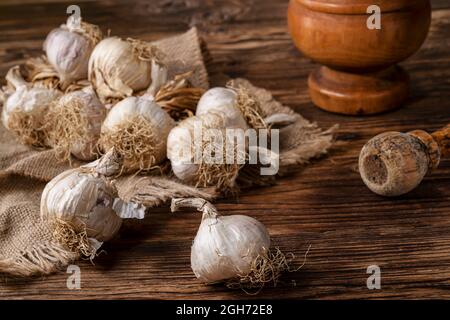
[43, 258]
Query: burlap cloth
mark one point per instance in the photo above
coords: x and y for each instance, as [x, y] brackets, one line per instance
[26, 242]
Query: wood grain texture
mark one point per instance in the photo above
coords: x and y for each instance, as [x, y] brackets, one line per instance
[326, 205]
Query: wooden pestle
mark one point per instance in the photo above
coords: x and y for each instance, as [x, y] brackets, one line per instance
[394, 163]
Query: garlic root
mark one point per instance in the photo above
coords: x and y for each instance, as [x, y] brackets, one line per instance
[74, 124]
[137, 128]
[183, 146]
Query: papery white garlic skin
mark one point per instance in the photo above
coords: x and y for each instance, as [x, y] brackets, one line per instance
[85, 201]
[68, 52]
[116, 71]
[226, 246]
[146, 107]
[95, 113]
[32, 101]
[222, 100]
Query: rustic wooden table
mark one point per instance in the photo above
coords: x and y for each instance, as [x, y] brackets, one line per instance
[326, 205]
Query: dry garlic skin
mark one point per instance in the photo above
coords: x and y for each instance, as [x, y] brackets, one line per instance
[137, 127]
[83, 200]
[116, 69]
[222, 100]
[225, 247]
[69, 47]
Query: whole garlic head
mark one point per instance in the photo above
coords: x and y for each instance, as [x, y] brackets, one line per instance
[118, 68]
[75, 124]
[225, 247]
[84, 200]
[25, 109]
[192, 147]
[222, 100]
[69, 47]
[137, 128]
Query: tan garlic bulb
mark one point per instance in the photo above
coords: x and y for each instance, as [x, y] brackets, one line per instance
[74, 124]
[83, 199]
[69, 47]
[137, 127]
[24, 111]
[200, 154]
[118, 68]
[233, 247]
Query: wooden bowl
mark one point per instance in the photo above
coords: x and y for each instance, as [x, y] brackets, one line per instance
[359, 73]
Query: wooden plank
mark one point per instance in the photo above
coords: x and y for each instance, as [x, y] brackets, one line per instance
[326, 205]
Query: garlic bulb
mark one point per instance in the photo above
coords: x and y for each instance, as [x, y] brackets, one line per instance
[69, 47]
[231, 247]
[24, 110]
[241, 109]
[198, 151]
[118, 68]
[74, 124]
[222, 100]
[137, 128]
[83, 198]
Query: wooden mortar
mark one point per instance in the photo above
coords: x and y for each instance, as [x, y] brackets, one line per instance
[359, 75]
[394, 163]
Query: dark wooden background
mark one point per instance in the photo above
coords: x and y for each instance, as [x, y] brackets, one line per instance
[326, 205]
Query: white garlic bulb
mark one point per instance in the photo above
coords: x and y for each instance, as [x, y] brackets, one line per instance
[195, 142]
[118, 68]
[69, 47]
[222, 100]
[84, 199]
[25, 109]
[225, 247]
[137, 128]
[241, 109]
[75, 123]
